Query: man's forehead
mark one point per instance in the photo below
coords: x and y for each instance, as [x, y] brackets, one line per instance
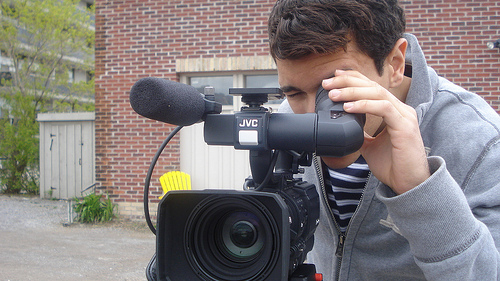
[294, 76]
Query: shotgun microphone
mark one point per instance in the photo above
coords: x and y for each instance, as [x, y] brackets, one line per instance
[170, 102]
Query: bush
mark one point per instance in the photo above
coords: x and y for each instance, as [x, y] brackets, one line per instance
[19, 146]
[92, 209]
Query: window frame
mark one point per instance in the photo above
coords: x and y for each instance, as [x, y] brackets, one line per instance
[238, 82]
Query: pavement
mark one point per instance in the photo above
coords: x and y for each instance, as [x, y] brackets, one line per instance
[37, 242]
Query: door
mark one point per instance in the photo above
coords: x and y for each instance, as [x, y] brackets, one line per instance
[68, 164]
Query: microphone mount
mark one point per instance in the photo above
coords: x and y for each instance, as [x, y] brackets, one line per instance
[211, 106]
[255, 98]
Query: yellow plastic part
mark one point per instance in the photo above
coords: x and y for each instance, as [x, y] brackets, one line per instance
[175, 180]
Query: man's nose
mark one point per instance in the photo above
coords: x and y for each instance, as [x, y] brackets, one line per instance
[311, 103]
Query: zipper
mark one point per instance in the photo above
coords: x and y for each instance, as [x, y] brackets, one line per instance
[360, 200]
[340, 246]
[341, 236]
[339, 251]
[349, 224]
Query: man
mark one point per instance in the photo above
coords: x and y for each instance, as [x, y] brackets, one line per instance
[429, 205]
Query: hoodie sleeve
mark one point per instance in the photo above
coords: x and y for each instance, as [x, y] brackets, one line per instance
[447, 237]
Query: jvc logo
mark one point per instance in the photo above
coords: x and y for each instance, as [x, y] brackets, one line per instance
[254, 123]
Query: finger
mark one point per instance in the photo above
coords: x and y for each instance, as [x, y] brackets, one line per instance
[373, 92]
[352, 85]
[398, 117]
[344, 79]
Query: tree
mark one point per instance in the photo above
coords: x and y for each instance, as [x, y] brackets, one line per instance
[43, 42]
[19, 144]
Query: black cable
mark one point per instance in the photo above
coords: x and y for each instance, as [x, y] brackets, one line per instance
[269, 171]
[150, 173]
[151, 269]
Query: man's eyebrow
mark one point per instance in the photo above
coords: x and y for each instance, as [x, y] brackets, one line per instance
[287, 89]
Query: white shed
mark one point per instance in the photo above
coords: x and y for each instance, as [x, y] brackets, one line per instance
[67, 154]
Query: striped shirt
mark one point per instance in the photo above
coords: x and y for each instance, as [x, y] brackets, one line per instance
[344, 188]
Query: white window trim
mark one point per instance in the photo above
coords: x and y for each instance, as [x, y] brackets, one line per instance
[238, 82]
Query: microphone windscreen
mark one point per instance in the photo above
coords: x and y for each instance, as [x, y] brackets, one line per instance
[167, 101]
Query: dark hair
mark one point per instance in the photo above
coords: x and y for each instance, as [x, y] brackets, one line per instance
[298, 28]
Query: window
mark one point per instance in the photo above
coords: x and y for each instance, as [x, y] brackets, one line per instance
[71, 75]
[222, 83]
[261, 81]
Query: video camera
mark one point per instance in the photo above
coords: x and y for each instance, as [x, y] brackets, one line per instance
[265, 231]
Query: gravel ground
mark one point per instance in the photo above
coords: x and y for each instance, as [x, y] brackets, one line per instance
[38, 243]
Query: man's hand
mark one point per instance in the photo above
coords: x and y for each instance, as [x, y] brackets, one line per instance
[396, 156]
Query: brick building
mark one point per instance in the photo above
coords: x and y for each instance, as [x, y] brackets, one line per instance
[205, 42]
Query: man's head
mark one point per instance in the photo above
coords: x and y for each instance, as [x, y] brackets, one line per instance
[298, 28]
[311, 40]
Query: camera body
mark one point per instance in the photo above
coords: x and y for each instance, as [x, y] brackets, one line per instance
[234, 235]
[328, 132]
[198, 238]
[266, 231]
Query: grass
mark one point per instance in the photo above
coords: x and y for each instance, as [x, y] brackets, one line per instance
[92, 209]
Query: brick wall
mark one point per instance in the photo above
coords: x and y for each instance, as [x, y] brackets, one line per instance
[453, 35]
[136, 39]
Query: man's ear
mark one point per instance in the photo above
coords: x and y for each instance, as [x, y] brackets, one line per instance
[396, 62]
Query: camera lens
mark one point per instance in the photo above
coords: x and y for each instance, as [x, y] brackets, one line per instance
[231, 238]
[243, 234]
[240, 234]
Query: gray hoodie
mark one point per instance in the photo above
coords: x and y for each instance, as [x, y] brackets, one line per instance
[443, 229]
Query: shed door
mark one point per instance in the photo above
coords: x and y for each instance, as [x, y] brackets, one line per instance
[69, 156]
